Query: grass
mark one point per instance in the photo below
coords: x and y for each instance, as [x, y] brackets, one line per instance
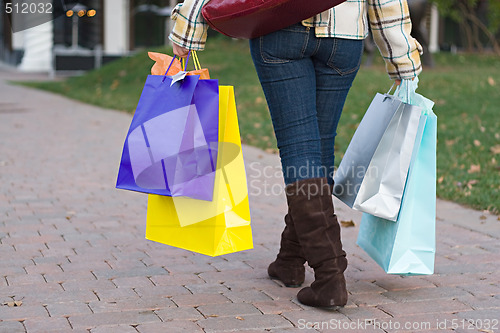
[466, 89]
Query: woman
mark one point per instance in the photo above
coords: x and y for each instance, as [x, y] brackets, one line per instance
[306, 71]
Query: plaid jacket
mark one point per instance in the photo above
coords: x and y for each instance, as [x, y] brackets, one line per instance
[389, 21]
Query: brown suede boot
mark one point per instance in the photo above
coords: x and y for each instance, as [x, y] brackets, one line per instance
[311, 208]
[289, 264]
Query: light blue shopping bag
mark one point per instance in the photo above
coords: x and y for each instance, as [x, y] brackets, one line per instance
[408, 246]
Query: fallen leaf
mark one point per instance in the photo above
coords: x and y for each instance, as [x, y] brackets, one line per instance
[271, 151]
[498, 218]
[486, 331]
[214, 315]
[497, 135]
[347, 224]
[239, 318]
[482, 129]
[495, 149]
[477, 143]
[491, 82]
[259, 100]
[482, 217]
[14, 304]
[114, 85]
[257, 125]
[474, 168]
[450, 142]
[440, 180]
[470, 183]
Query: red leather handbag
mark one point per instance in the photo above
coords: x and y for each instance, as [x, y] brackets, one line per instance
[254, 18]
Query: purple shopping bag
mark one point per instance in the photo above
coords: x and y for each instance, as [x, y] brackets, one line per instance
[171, 146]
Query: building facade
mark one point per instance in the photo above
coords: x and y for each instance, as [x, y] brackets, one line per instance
[87, 28]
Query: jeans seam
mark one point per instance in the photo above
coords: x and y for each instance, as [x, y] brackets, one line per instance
[304, 47]
[338, 70]
[265, 59]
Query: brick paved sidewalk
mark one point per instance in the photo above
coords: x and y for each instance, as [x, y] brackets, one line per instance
[73, 252]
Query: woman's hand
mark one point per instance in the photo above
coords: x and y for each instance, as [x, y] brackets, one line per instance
[180, 51]
[398, 81]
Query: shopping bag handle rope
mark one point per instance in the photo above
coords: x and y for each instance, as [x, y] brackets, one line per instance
[196, 62]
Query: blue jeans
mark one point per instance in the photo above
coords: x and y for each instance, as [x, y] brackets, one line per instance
[305, 80]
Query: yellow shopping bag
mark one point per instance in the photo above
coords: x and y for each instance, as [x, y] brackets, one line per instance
[214, 227]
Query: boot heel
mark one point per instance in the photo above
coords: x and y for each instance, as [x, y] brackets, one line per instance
[293, 285]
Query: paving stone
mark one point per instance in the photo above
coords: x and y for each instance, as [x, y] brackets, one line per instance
[361, 287]
[115, 294]
[155, 303]
[176, 280]
[228, 324]
[114, 329]
[422, 307]
[228, 310]
[362, 313]
[170, 326]
[164, 291]
[12, 327]
[51, 296]
[114, 273]
[369, 299]
[87, 285]
[173, 313]
[249, 296]
[68, 309]
[17, 280]
[276, 306]
[247, 284]
[396, 282]
[481, 302]
[425, 294]
[308, 318]
[482, 289]
[113, 318]
[133, 282]
[47, 268]
[46, 325]
[199, 299]
[22, 312]
[207, 288]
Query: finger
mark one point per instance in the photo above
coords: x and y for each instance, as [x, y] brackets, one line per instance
[180, 51]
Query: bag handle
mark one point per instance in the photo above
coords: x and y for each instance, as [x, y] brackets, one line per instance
[406, 90]
[184, 62]
[196, 61]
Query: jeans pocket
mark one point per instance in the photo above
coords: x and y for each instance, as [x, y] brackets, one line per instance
[346, 55]
[283, 46]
